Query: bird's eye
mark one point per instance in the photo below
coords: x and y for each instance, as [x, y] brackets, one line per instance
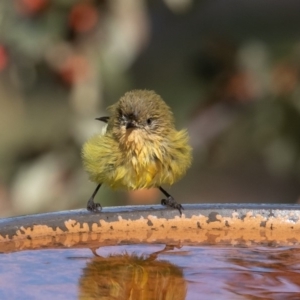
[122, 117]
[149, 121]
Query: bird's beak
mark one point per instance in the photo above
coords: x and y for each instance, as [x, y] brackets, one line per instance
[130, 124]
[103, 119]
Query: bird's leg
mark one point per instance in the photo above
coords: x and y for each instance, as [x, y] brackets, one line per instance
[170, 201]
[91, 205]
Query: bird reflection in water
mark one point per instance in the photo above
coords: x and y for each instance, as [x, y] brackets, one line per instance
[129, 276]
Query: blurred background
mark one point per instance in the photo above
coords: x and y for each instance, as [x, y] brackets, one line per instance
[230, 70]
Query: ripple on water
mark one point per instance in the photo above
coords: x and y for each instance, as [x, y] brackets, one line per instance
[151, 271]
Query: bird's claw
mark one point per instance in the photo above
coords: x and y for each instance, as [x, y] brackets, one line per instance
[173, 204]
[92, 206]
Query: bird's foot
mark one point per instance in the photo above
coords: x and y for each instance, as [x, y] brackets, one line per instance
[172, 203]
[92, 206]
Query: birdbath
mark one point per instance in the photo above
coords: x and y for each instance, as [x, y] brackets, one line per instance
[222, 251]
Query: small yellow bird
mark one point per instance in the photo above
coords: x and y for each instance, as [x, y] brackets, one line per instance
[139, 149]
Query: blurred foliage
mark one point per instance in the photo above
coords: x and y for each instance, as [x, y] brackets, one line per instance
[234, 83]
[55, 58]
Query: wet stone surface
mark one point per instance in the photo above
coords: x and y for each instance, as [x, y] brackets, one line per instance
[220, 251]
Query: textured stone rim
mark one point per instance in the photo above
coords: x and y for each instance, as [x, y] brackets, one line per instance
[203, 224]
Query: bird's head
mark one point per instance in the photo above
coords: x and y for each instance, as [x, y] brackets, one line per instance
[141, 113]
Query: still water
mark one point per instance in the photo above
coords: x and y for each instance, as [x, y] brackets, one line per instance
[152, 272]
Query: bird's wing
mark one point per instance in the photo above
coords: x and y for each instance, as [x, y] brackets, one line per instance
[103, 119]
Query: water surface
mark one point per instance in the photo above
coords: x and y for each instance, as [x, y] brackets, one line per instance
[152, 272]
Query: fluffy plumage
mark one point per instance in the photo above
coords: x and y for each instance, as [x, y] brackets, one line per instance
[141, 147]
